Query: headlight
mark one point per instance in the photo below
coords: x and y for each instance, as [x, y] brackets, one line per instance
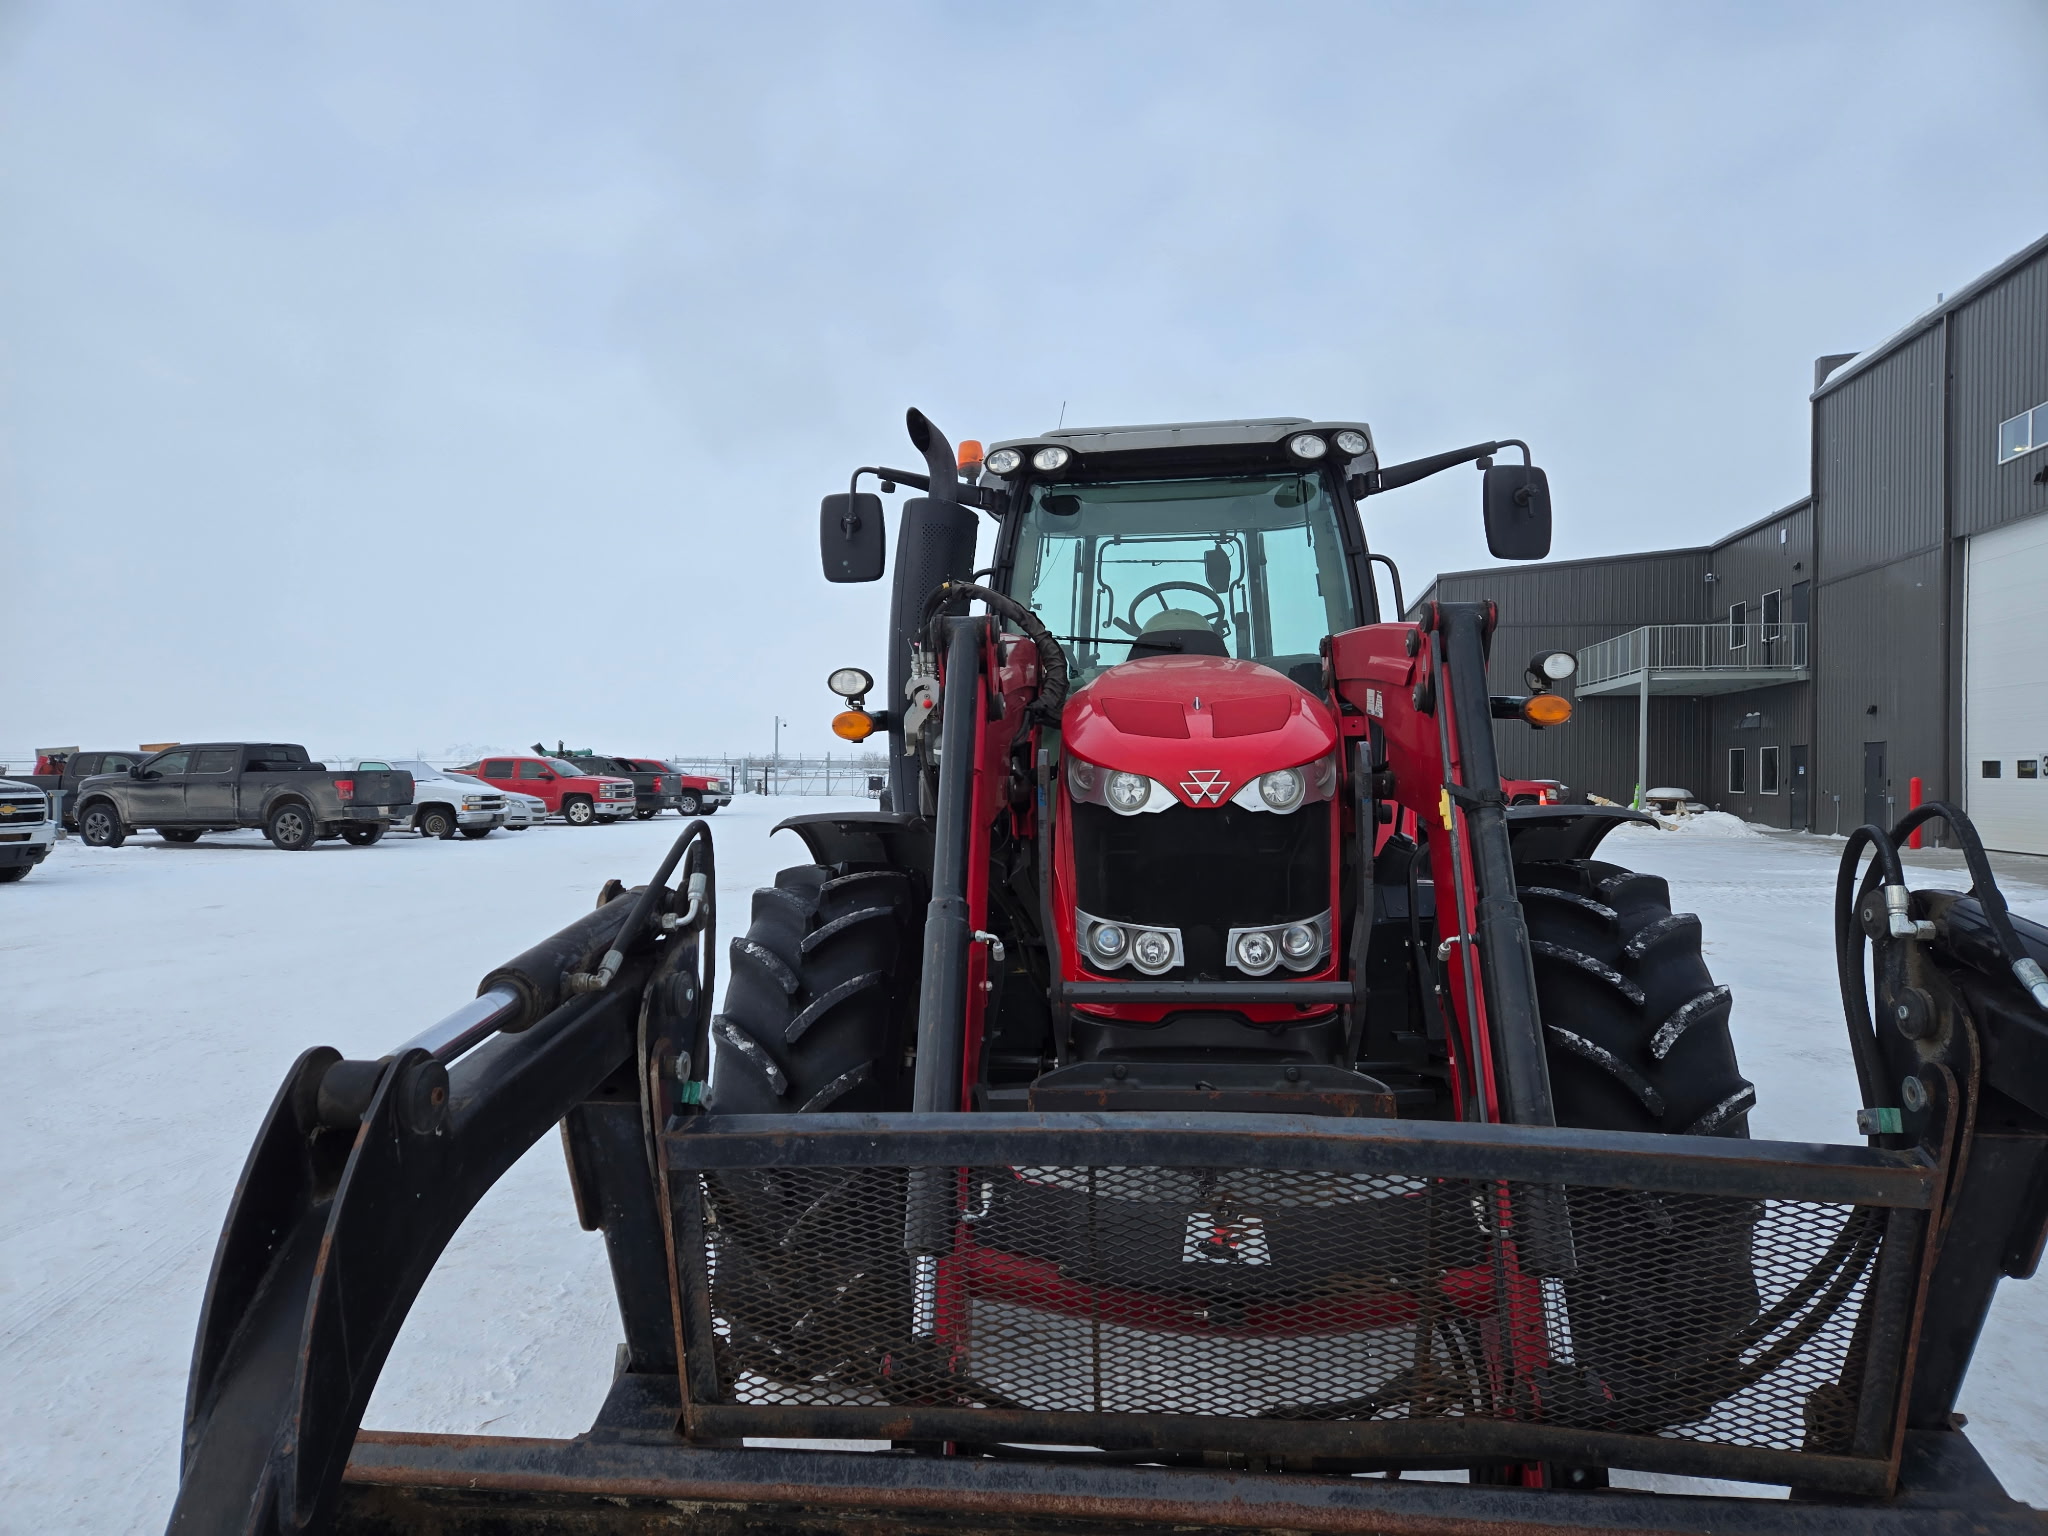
[850, 683]
[1128, 791]
[1306, 445]
[1046, 460]
[1298, 941]
[1281, 789]
[471, 803]
[1256, 952]
[1351, 443]
[1108, 940]
[1003, 461]
[1080, 777]
[1152, 951]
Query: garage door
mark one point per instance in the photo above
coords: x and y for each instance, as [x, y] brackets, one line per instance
[2005, 687]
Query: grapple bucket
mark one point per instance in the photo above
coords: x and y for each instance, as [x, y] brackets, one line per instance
[1315, 1293]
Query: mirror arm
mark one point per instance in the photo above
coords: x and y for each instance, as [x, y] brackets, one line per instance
[1397, 476]
[981, 496]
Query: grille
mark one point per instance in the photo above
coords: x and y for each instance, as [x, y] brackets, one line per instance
[21, 813]
[1359, 1310]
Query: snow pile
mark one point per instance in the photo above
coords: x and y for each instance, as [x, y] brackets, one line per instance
[1713, 824]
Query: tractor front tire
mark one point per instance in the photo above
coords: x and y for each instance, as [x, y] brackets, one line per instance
[819, 1008]
[813, 1283]
[1636, 1034]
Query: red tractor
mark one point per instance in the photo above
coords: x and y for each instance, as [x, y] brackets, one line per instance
[1197, 1097]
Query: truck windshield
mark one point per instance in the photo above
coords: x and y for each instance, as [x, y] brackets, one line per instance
[566, 770]
[1248, 567]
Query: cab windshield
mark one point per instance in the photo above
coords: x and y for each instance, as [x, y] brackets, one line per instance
[566, 770]
[1248, 567]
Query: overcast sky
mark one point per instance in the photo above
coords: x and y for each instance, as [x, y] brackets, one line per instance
[436, 375]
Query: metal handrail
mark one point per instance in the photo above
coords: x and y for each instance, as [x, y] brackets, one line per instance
[1695, 648]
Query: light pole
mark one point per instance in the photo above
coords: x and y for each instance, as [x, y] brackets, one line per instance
[777, 758]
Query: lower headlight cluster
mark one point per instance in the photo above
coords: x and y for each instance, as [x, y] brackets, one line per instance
[1109, 945]
[1300, 946]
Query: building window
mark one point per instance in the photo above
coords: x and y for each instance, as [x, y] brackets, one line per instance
[1738, 626]
[2027, 768]
[1738, 771]
[1767, 770]
[2022, 434]
[1769, 615]
[1992, 767]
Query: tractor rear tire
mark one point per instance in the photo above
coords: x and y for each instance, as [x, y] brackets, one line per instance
[1637, 1040]
[813, 1283]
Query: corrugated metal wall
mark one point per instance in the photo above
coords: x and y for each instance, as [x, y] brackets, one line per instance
[1878, 441]
[1774, 556]
[1881, 648]
[1780, 716]
[1566, 606]
[2000, 369]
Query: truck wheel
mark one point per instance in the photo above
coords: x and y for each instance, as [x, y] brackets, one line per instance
[99, 824]
[817, 1014]
[645, 815]
[1637, 1040]
[437, 821]
[578, 811]
[13, 872]
[474, 832]
[361, 837]
[688, 802]
[292, 827]
[710, 810]
[177, 834]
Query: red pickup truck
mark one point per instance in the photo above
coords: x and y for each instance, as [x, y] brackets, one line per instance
[577, 797]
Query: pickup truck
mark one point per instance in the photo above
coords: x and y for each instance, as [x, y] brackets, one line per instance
[579, 798]
[26, 830]
[215, 786]
[59, 770]
[652, 791]
[695, 793]
[444, 804]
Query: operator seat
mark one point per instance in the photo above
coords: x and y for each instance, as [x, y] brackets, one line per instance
[1178, 632]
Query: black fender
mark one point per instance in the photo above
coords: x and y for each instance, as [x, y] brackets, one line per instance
[865, 837]
[1558, 834]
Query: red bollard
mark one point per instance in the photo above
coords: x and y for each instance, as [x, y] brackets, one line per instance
[1913, 792]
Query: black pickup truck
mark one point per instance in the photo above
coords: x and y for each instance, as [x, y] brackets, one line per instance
[214, 786]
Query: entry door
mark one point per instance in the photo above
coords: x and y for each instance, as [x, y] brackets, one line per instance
[1876, 787]
[160, 801]
[1801, 806]
[2005, 687]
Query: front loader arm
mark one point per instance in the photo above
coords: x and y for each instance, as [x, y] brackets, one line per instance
[364, 1171]
[1423, 690]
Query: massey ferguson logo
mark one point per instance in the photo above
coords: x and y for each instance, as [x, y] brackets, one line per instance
[1205, 784]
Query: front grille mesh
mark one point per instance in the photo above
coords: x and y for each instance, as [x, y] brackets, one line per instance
[1288, 1295]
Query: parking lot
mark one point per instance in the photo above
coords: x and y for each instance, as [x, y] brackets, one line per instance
[155, 995]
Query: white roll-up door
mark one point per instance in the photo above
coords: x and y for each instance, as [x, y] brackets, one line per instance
[2005, 687]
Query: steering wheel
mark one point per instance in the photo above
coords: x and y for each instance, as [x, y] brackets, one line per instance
[1131, 625]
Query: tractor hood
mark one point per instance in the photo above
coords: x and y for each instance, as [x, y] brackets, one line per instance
[1201, 726]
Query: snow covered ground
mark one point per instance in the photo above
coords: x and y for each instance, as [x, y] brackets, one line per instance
[151, 998]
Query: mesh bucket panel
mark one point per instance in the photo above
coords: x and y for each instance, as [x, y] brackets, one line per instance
[1286, 1295]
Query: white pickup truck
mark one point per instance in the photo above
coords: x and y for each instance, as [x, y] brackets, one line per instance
[26, 830]
[444, 804]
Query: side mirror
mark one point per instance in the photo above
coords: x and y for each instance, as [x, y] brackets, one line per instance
[1517, 512]
[1216, 569]
[850, 537]
[137, 771]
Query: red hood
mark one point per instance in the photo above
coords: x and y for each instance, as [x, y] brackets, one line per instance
[1201, 725]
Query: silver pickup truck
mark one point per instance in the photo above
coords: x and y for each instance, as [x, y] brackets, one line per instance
[187, 791]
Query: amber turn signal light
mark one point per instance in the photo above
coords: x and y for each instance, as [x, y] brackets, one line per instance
[1546, 709]
[853, 725]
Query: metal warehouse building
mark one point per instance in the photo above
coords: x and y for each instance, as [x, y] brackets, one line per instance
[1887, 626]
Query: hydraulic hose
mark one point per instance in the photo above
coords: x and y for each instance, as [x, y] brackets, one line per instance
[1849, 951]
[1984, 886]
[1052, 661]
